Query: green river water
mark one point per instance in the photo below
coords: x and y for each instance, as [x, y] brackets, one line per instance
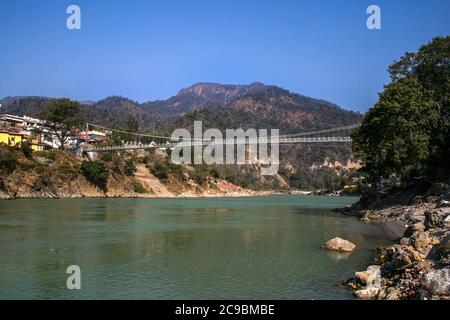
[221, 248]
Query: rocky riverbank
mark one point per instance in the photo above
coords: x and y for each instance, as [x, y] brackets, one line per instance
[417, 266]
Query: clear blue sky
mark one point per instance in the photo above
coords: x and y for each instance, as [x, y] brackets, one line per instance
[148, 50]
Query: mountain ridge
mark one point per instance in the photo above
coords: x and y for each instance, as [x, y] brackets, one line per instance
[267, 105]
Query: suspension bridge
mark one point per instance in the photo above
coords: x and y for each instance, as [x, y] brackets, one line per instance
[325, 136]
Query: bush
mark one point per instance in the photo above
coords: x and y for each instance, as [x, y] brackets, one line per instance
[96, 173]
[130, 168]
[2, 185]
[200, 175]
[8, 161]
[106, 156]
[160, 170]
[26, 148]
[66, 169]
[138, 188]
[177, 171]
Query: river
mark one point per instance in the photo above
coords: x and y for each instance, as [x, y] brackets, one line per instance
[215, 248]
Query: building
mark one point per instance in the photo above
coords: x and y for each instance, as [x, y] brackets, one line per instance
[24, 122]
[10, 138]
[36, 144]
[92, 136]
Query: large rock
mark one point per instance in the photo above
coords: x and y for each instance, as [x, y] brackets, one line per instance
[392, 294]
[421, 241]
[413, 228]
[436, 282]
[338, 244]
[432, 219]
[369, 277]
[367, 293]
[443, 204]
[400, 260]
[444, 246]
[446, 222]
[372, 279]
[437, 189]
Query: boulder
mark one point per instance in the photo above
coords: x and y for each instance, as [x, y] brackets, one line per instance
[421, 240]
[405, 241]
[338, 244]
[369, 277]
[443, 204]
[436, 282]
[446, 222]
[437, 189]
[368, 293]
[432, 219]
[416, 256]
[413, 228]
[444, 246]
[392, 294]
[372, 278]
[400, 260]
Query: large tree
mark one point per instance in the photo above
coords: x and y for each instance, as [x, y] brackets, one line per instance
[407, 133]
[63, 116]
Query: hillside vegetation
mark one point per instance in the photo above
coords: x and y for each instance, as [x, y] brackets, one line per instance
[220, 106]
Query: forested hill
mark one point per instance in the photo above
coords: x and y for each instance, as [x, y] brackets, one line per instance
[255, 105]
[232, 106]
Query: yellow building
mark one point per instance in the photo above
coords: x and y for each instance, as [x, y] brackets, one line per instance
[36, 145]
[10, 138]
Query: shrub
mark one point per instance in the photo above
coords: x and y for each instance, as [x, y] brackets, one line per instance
[2, 185]
[160, 170]
[106, 156]
[200, 175]
[138, 188]
[27, 150]
[130, 168]
[66, 169]
[177, 171]
[8, 161]
[96, 173]
[215, 173]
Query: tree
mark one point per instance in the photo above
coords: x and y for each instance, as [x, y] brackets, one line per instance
[26, 148]
[132, 124]
[406, 133]
[63, 116]
[96, 173]
[431, 67]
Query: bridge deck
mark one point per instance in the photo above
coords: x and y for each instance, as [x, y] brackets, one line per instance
[134, 146]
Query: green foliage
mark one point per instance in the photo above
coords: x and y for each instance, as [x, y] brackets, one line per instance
[177, 171]
[160, 170]
[27, 150]
[96, 173]
[129, 168]
[67, 170]
[200, 174]
[106, 156]
[132, 124]
[63, 116]
[406, 134]
[138, 187]
[8, 160]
